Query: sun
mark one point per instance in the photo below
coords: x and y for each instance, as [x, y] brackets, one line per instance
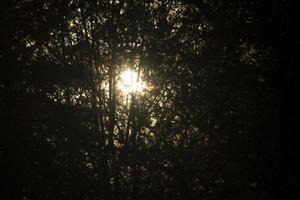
[130, 82]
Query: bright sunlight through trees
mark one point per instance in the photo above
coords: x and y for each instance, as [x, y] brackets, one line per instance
[130, 81]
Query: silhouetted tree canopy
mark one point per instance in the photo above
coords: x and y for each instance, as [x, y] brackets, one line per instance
[216, 119]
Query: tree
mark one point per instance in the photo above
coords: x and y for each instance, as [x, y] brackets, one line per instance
[208, 123]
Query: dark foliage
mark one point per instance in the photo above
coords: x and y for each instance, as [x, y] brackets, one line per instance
[216, 121]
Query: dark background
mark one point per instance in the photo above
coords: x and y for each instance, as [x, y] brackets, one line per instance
[218, 123]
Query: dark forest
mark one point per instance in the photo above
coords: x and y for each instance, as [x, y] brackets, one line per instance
[148, 100]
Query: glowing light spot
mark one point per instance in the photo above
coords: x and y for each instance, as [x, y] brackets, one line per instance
[130, 82]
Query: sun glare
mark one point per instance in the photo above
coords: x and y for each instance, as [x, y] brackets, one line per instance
[130, 82]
